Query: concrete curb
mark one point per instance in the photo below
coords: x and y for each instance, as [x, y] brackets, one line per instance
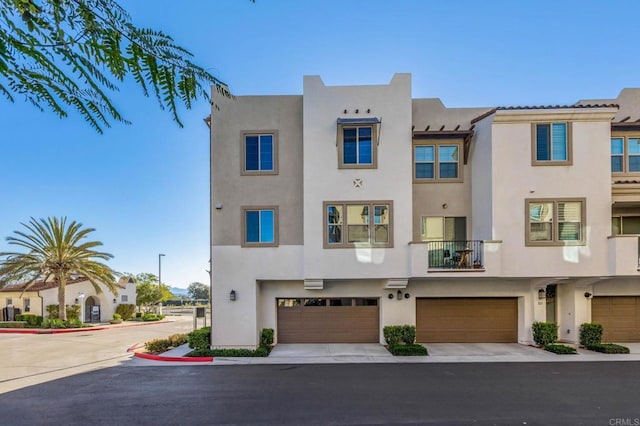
[151, 357]
[75, 330]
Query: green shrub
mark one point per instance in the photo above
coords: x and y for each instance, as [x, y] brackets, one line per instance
[560, 349]
[12, 324]
[590, 334]
[52, 311]
[126, 311]
[32, 320]
[53, 323]
[253, 353]
[73, 312]
[609, 348]
[157, 346]
[138, 314]
[408, 350]
[200, 339]
[73, 323]
[408, 334]
[544, 333]
[117, 316]
[266, 338]
[152, 317]
[399, 334]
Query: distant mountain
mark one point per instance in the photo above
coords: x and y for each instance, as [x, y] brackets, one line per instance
[178, 291]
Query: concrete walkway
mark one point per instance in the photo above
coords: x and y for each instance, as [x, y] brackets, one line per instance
[375, 353]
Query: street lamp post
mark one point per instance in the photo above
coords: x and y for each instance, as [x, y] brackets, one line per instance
[160, 273]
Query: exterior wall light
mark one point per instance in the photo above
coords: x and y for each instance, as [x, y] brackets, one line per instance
[390, 296]
[407, 295]
[588, 295]
[399, 295]
[115, 300]
[542, 294]
[232, 295]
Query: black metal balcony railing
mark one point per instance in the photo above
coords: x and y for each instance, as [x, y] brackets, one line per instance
[456, 254]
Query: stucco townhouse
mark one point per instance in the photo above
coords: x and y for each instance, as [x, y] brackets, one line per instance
[348, 208]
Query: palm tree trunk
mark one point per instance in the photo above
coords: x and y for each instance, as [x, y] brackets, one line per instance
[62, 307]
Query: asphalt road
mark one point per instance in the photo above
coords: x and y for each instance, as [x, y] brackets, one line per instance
[585, 393]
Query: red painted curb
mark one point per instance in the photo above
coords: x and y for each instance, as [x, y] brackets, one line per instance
[173, 358]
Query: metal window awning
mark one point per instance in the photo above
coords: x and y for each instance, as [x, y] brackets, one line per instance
[363, 120]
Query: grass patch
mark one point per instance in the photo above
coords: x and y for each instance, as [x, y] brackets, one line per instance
[408, 350]
[608, 348]
[560, 349]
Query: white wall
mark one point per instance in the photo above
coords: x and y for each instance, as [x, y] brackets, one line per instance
[323, 181]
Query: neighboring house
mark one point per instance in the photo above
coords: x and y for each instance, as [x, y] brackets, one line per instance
[96, 307]
[345, 209]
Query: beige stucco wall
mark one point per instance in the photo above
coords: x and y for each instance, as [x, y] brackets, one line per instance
[324, 181]
[17, 301]
[482, 176]
[232, 190]
[515, 179]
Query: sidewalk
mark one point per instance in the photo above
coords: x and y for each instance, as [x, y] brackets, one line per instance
[375, 353]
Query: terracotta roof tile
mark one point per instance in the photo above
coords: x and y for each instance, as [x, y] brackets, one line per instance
[40, 285]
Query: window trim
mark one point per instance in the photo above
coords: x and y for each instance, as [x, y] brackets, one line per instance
[625, 136]
[436, 162]
[534, 132]
[344, 244]
[243, 153]
[554, 223]
[243, 242]
[374, 145]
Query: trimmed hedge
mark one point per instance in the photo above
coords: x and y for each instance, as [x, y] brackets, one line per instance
[32, 320]
[157, 346]
[152, 317]
[408, 350]
[200, 339]
[246, 353]
[544, 333]
[12, 324]
[399, 334]
[609, 348]
[591, 334]
[266, 338]
[560, 349]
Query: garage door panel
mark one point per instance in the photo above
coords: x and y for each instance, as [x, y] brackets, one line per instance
[619, 316]
[467, 320]
[328, 324]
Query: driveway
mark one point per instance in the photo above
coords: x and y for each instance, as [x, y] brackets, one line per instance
[28, 359]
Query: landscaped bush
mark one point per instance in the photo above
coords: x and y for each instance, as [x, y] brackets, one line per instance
[12, 324]
[609, 348]
[138, 314]
[397, 334]
[200, 339]
[408, 350]
[126, 311]
[73, 312]
[252, 353]
[560, 349]
[162, 345]
[152, 317]
[58, 323]
[266, 338]
[52, 311]
[32, 320]
[590, 334]
[544, 333]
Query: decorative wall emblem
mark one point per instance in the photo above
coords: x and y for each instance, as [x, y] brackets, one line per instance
[357, 183]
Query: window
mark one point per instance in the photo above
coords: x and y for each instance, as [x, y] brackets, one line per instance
[625, 225]
[436, 162]
[357, 224]
[438, 228]
[357, 146]
[551, 144]
[26, 304]
[625, 155]
[9, 301]
[124, 298]
[260, 226]
[555, 222]
[259, 153]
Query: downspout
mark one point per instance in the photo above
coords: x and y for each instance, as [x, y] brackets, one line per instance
[208, 121]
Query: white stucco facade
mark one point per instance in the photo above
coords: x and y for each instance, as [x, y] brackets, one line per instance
[496, 178]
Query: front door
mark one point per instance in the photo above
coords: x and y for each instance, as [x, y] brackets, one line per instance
[551, 303]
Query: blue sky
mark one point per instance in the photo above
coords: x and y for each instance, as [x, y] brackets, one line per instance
[144, 187]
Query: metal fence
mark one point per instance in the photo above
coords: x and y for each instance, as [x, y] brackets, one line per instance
[467, 254]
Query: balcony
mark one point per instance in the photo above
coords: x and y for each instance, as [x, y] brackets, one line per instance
[455, 255]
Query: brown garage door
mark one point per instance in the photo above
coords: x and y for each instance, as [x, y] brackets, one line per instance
[467, 320]
[619, 315]
[346, 320]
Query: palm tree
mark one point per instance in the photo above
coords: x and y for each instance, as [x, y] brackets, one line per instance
[55, 250]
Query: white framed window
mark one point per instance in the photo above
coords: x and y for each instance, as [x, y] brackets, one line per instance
[124, 298]
[358, 223]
